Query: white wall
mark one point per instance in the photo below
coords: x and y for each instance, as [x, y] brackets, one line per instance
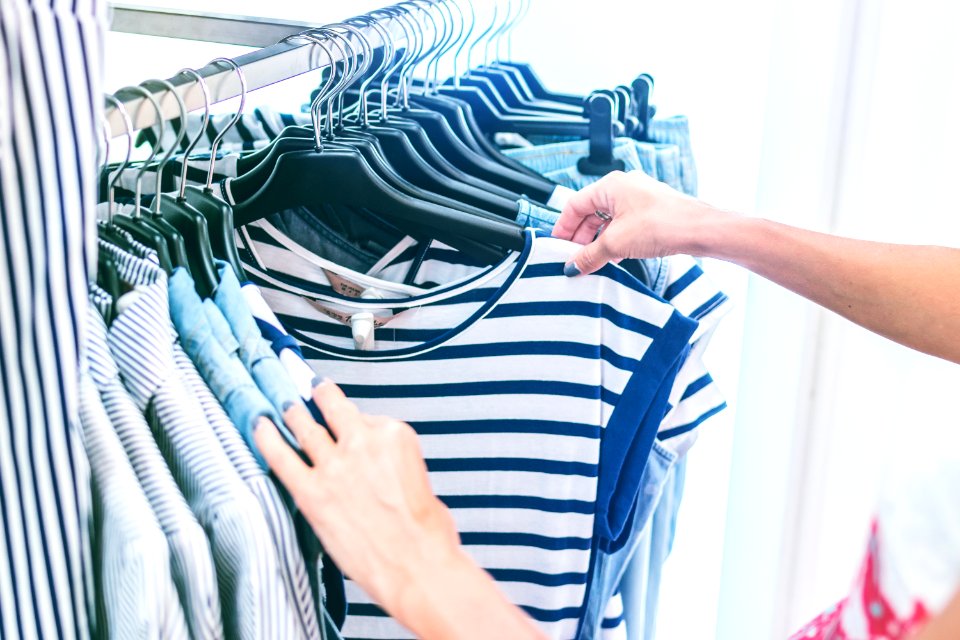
[833, 114]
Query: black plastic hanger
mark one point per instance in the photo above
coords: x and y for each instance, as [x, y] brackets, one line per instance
[108, 279]
[341, 176]
[175, 212]
[137, 224]
[217, 213]
[600, 162]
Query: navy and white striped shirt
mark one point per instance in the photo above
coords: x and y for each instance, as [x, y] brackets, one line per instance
[50, 113]
[519, 382]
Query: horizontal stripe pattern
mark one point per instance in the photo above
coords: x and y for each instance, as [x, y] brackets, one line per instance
[509, 381]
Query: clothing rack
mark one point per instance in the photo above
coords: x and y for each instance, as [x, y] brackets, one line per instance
[266, 66]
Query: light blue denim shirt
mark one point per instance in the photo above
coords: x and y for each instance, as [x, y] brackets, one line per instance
[255, 352]
[227, 378]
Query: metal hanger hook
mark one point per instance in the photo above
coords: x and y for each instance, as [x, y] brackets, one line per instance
[388, 53]
[482, 36]
[148, 97]
[415, 40]
[439, 40]
[402, 19]
[343, 46]
[466, 37]
[243, 101]
[203, 126]
[316, 107]
[362, 61]
[447, 47]
[128, 130]
[181, 134]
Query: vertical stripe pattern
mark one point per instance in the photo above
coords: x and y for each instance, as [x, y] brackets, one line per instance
[190, 555]
[254, 600]
[50, 106]
[135, 593]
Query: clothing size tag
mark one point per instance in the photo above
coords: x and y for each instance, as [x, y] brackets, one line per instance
[345, 317]
[343, 286]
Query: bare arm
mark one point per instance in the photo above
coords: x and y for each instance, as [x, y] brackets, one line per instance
[910, 294]
[368, 498]
[945, 626]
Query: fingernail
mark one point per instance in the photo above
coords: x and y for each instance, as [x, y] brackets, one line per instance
[287, 406]
[317, 382]
[570, 269]
[262, 422]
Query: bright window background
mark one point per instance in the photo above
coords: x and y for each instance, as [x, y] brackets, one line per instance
[836, 115]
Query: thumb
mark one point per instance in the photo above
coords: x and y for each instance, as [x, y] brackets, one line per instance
[589, 259]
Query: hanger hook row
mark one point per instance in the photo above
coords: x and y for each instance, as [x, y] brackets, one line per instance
[236, 118]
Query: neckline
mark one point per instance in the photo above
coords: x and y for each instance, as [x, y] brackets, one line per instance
[396, 295]
[518, 261]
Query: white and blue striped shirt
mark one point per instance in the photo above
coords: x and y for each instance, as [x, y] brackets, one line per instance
[136, 596]
[253, 594]
[190, 555]
[521, 383]
[50, 113]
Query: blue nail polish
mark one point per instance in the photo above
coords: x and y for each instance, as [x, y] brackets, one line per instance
[287, 406]
[316, 382]
[570, 269]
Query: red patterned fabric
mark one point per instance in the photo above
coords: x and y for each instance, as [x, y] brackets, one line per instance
[866, 614]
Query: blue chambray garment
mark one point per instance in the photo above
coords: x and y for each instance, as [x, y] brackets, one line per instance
[676, 130]
[228, 380]
[631, 568]
[535, 216]
[255, 352]
[560, 157]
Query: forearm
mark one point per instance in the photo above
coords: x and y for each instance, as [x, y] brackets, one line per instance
[910, 294]
[454, 598]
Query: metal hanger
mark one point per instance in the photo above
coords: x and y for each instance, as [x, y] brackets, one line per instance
[483, 190]
[180, 216]
[342, 177]
[141, 226]
[464, 157]
[508, 82]
[217, 213]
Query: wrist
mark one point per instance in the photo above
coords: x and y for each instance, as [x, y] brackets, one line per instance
[429, 602]
[716, 233]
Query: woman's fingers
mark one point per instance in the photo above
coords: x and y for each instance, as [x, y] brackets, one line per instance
[283, 460]
[313, 439]
[342, 416]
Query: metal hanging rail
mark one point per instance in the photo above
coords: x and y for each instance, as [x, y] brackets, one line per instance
[206, 27]
[261, 68]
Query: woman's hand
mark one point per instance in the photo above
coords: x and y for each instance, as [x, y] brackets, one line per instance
[648, 220]
[367, 496]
